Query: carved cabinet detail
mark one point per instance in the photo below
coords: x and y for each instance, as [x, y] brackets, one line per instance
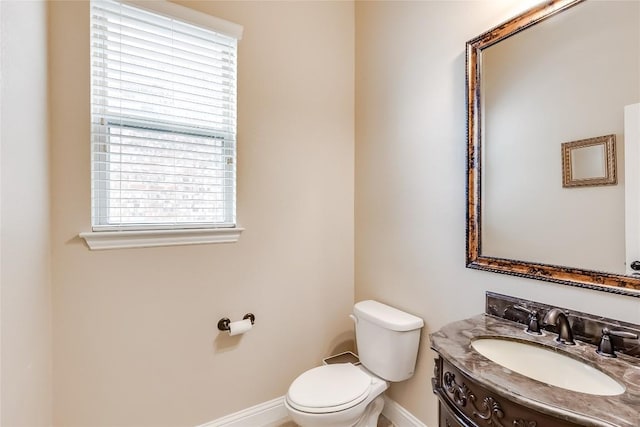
[464, 403]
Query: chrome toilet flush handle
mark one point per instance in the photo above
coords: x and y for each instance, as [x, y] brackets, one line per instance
[606, 347]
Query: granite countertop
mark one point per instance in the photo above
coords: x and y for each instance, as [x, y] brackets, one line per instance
[453, 342]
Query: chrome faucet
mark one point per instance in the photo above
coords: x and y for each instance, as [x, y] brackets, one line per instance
[557, 318]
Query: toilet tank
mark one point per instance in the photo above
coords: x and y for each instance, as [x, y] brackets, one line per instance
[387, 339]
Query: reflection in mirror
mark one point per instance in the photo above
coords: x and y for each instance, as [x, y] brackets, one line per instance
[589, 162]
[563, 71]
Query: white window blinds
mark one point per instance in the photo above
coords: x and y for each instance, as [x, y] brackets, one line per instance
[163, 120]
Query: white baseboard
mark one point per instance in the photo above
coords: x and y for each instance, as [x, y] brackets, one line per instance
[273, 413]
[265, 414]
[399, 416]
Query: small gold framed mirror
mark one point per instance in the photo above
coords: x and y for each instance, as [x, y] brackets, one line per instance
[589, 162]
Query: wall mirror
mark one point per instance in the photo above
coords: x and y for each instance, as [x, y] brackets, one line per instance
[566, 70]
[589, 162]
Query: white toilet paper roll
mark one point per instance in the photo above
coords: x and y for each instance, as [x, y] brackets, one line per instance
[240, 327]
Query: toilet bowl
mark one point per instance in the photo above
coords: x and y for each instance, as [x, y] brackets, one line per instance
[339, 395]
[345, 395]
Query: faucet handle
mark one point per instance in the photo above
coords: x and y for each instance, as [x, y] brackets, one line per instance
[606, 347]
[533, 321]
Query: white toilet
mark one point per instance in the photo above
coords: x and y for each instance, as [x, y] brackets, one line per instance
[345, 395]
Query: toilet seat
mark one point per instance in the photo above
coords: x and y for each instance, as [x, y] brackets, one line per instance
[329, 388]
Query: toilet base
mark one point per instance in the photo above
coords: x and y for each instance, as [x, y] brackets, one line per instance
[345, 419]
[372, 413]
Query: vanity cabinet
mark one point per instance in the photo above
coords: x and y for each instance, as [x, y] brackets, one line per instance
[465, 403]
[447, 418]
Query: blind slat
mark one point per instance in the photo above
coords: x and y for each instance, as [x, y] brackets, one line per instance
[178, 100]
[144, 18]
[161, 197]
[218, 147]
[163, 114]
[126, 35]
[135, 54]
[118, 78]
[223, 100]
[176, 108]
[117, 69]
[101, 118]
[170, 119]
[159, 168]
[188, 153]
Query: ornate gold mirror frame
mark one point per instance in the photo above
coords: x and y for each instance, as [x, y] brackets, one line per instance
[608, 282]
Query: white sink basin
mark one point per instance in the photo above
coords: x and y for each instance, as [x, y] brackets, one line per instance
[547, 366]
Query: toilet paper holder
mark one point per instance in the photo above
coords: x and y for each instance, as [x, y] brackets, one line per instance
[223, 324]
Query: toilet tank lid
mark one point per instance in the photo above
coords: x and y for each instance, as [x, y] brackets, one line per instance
[386, 316]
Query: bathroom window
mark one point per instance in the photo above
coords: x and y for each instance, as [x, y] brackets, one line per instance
[163, 118]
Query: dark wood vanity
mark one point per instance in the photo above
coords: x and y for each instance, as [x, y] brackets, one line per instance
[465, 403]
[473, 390]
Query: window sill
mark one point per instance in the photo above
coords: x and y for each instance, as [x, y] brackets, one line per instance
[100, 240]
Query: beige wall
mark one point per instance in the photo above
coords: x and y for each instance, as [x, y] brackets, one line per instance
[135, 338]
[410, 177]
[24, 217]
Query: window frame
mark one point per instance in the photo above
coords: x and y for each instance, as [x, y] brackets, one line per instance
[107, 236]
